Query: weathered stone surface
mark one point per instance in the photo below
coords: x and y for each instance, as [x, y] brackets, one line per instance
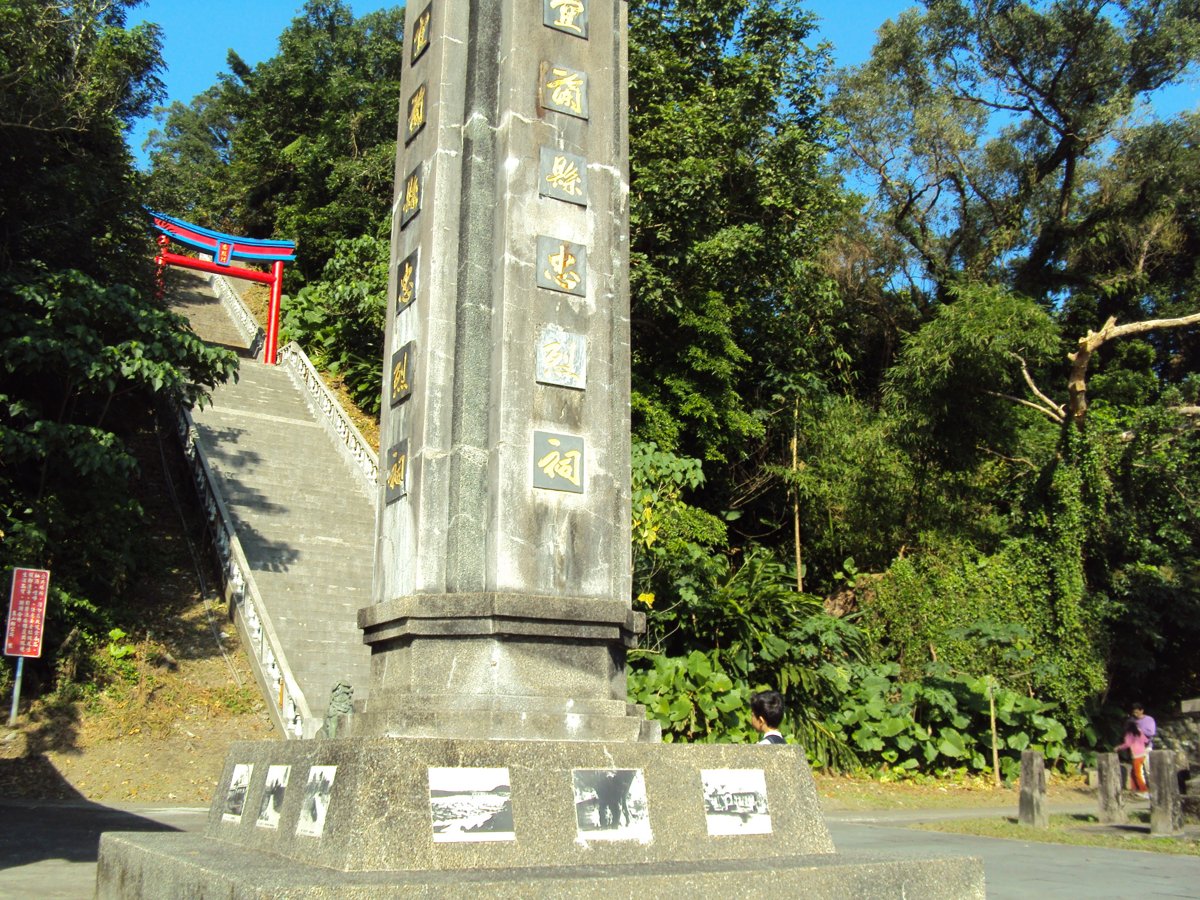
[1111, 792]
[1032, 804]
[513, 489]
[472, 521]
[1166, 809]
[171, 866]
[377, 837]
[379, 810]
[490, 665]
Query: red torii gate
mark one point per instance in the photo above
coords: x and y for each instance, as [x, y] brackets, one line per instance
[224, 248]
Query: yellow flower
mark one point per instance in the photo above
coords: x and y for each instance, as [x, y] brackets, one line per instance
[646, 598]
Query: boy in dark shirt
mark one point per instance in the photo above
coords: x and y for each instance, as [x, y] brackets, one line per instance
[766, 712]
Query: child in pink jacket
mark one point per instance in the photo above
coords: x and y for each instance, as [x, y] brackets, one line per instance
[1135, 743]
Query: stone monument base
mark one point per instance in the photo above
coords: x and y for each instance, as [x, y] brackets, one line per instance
[436, 817]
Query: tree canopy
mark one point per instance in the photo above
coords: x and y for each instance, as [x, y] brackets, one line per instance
[84, 349]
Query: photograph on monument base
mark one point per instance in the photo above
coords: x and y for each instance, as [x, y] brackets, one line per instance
[316, 800]
[735, 801]
[470, 804]
[235, 797]
[272, 801]
[610, 805]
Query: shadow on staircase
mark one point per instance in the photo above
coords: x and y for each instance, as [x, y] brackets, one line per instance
[288, 485]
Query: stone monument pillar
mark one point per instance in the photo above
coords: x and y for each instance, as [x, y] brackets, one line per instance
[502, 565]
[1032, 804]
[1111, 792]
[1166, 810]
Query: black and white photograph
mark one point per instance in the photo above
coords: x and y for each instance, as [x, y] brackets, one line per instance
[610, 805]
[272, 800]
[316, 800]
[735, 801]
[235, 798]
[470, 804]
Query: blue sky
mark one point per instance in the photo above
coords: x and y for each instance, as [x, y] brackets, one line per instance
[198, 35]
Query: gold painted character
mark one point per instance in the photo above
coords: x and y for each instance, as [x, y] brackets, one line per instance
[565, 176]
[406, 284]
[416, 110]
[412, 194]
[396, 472]
[566, 89]
[421, 34]
[561, 465]
[561, 270]
[400, 376]
[568, 12]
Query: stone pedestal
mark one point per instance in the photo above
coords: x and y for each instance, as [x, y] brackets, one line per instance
[502, 666]
[1032, 808]
[1110, 790]
[391, 818]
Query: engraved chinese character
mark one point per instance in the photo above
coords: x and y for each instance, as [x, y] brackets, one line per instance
[421, 33]
[561, 357]
[401, 381]
[566, 89]
[557, 464]
[397, 472]
[416, 111]
[395, 477]
[400, 376]
[412, 194]
[406, 286]
[564, 175]
[568, 12]
[411, 203]
[562, 268]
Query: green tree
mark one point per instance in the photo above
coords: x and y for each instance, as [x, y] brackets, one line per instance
[72, 80]
[727, 205]
[82, 355]
[300, 146]
[189, 161]
[981, 123]
[313, 147]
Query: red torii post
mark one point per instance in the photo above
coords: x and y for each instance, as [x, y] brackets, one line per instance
[224, 248]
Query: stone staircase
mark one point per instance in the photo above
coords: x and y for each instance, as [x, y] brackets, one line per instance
[299, 519]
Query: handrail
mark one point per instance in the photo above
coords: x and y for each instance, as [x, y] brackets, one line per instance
[288, 706]
[250, 330]
[363, 461]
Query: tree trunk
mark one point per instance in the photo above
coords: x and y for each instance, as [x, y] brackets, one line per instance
[796, 496]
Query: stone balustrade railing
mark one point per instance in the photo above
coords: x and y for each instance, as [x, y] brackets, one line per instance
[359, 455]
[251, 331]
[287, 705]
[363, 461]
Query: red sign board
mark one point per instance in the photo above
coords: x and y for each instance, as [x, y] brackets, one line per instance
[26, 612]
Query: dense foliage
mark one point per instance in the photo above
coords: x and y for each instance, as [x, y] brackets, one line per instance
[84, 351]
[922, 457]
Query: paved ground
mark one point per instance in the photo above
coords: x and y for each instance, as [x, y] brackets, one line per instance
[49, 851]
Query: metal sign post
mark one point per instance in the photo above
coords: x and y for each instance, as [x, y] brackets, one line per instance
[26, 619]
